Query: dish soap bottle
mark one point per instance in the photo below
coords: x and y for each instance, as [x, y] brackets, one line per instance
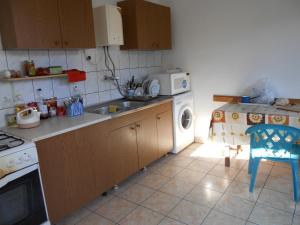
[41, 105]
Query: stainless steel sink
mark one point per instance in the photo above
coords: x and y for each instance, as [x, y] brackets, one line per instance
[122, 106]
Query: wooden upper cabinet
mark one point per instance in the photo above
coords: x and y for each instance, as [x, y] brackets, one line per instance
[30, 24]
[77, 25]
[40, 24]
[146, 25]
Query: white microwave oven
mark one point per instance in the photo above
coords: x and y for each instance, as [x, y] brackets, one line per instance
[172, 83]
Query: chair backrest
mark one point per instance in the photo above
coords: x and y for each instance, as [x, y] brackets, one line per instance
[274, 137]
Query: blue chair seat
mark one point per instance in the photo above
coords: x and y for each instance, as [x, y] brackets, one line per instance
[276, 143]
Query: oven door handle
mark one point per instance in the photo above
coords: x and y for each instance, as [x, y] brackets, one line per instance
[15, 175]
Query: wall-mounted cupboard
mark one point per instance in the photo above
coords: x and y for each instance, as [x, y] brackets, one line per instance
[146, 25]
[41, 24]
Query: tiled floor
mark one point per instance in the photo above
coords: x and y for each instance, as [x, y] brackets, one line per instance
[194, 188]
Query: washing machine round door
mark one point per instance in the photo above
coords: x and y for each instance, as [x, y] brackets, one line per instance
[185, 118]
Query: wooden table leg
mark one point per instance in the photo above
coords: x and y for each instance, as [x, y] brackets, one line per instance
[227, 157]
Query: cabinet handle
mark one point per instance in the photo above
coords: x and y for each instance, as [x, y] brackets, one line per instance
[66, 43]
[138, 125]
[132, 128]
[56, 42]
[158, 118]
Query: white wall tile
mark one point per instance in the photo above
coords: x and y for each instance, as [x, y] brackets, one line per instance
[92, 99]
[142, 58]
[16, 58]
[104, 85]
[45, 85]
[40, 58]
[124, 60]
[114, 54]
[6, 99]
[61, 88]
[3, 63]
[77, 87]
[133, 59]
[4, 112]
[157, 58]
[24, 88]
[149, 59]
[115, 94]
[74, 59]
[100, 59]
[89, 65]
[58, 58]
[124, 75]
[104, 96]
[91, 83]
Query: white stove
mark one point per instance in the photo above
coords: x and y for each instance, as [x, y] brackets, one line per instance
[20, 187]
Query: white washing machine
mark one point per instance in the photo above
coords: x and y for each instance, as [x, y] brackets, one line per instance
[183, 121]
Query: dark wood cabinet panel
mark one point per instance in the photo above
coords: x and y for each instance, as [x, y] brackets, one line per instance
[165, 132]
[146, 25]
[77, 26]
[147, 141]
[124, 157]
[30, 24]
[40, 24]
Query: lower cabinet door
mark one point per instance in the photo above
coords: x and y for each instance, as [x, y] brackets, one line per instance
[164, 123]
[122, 145]
[147, 141]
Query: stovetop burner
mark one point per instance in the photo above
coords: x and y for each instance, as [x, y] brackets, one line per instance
[8, 141]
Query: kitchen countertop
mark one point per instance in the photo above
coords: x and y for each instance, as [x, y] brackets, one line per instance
[58, 125]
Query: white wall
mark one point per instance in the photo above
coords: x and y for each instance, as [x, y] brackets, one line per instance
[94, 89]
[227, 45]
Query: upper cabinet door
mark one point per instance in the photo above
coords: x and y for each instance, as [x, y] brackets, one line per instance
[77, 26]
[30, 24]
[164, 27]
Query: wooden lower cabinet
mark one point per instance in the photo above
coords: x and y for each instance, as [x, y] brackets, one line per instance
[78, 166]
[124, 157]
[164, 122]
[147, 141]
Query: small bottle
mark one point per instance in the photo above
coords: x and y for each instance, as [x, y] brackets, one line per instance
[43, 108]
[30, 68]
[19, 103]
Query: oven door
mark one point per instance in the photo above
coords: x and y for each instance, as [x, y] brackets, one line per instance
[21, 198]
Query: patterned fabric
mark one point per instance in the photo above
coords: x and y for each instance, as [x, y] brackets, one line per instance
[229, 122]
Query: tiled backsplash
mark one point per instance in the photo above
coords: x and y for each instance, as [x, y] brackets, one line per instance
[95, 89]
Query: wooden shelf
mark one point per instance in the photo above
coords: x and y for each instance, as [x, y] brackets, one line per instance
[33, 77]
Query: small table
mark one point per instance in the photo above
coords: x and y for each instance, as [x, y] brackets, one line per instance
[229, 122]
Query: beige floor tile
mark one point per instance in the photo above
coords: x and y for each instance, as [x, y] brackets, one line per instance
[296, 220]
[98, 202]
[281, 172]
[264, 168]
[161, 202]
[218, 218]
[242, 190]
[136, 193]
[224, 172]
[181, 161]
[235, 206]
[142, 216]
[244, 177]
[153, 181]
[75, 217]
[177, 188]
[167, 170]
[204, 196]
[264, 215]
[190, 176]
[215, 183]
[189, 213]
[94, 219]
[297, 211]
[280, 184]
[235, 163]
[116, 209]
[169, 221]
[201, 166]
[277, 200]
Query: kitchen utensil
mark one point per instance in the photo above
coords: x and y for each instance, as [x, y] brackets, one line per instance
[246, 99]
[28, 118]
